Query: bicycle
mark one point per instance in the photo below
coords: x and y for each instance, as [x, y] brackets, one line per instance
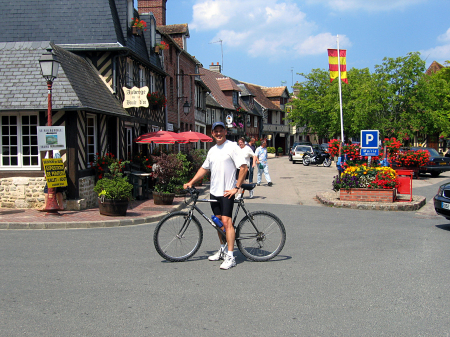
[260, 235]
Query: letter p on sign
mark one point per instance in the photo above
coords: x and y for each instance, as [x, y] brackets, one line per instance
[369, 139]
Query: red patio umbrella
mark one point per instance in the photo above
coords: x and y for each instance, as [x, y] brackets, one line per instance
[161, 137]
[193, 136]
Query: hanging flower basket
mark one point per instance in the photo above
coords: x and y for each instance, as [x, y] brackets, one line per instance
[137, 26]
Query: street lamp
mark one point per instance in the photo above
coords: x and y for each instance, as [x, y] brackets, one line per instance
[186, 108]
[49, 70]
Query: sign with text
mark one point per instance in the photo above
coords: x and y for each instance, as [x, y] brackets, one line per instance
[369, 143]
[51, 138]
[54, 172]
[135, 97]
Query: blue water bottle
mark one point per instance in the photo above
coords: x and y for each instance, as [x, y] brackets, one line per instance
[218, 222]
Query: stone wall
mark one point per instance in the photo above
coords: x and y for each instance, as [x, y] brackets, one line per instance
[86, 190]
[24, 192]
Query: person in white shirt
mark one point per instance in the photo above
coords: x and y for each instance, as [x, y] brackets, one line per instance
[222, 161]
[248, 155]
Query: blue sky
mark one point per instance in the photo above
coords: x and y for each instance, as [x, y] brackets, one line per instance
[267, 42]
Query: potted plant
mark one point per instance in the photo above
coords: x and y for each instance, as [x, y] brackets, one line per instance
[270, 152]
[368, 184]
[137, 26]
[156, 100]
[161, 46]
[280, 151]
[114, 191]
[165, 172]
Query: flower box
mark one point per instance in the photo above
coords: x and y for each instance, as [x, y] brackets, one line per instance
[368, 194]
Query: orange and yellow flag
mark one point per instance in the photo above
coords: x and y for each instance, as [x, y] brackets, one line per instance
[333, 61]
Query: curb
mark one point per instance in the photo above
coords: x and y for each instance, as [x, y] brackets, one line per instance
[331, 199]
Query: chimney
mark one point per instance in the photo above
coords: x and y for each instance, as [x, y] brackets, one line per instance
[215, 67]
[157, 7]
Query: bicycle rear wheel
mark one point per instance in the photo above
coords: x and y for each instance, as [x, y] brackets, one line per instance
[263, 243]
[176, 238]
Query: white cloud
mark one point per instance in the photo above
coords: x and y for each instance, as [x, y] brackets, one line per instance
[367, 5]
[268, 28]
[318, 44]
[445, 37]
[439, 53]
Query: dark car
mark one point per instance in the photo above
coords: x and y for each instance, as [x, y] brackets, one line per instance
[291, 150]
[442, 201]
[437, 163]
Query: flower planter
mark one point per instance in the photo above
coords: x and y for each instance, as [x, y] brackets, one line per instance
[112, 207]
[271, 155]
[136, 31]
[368, 195]
[157, 49]
[160, 198]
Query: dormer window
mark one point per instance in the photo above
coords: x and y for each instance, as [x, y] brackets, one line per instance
[235, 98]
[153, 31]
[130, 11]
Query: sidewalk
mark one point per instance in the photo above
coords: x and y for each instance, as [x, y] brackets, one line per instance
[139, 212]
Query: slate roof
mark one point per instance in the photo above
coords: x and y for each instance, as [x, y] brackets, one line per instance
[77, 86]
[210, 101]
[87, 22]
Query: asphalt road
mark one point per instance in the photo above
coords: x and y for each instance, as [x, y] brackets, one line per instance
[342, 273]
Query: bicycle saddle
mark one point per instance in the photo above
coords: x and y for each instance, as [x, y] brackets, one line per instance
[248, 187]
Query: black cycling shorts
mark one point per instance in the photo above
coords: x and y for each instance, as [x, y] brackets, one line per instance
[224, 206]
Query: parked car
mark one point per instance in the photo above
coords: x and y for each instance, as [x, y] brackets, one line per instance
[299, 150]
[294, 146]
[437, 163]
[442, 201]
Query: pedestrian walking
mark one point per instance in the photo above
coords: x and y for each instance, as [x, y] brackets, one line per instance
[222, 161]
[248, 155]
[261, 163]
[251, 144]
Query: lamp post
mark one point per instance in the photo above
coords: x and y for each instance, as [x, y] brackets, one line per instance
[186, 108]
[49, 70]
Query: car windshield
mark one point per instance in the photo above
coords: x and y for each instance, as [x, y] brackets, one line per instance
[302, 148]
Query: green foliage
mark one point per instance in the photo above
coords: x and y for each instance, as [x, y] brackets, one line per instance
[114, 185]
[280, 150]
[398, 99]
[270, 149]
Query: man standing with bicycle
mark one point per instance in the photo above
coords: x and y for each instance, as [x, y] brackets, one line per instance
[222, 160]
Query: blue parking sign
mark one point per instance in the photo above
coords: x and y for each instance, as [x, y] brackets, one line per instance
[369, 139]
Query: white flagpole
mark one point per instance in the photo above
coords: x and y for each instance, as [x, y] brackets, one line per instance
[340, 90]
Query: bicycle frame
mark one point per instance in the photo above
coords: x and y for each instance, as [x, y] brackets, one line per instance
[193, 207]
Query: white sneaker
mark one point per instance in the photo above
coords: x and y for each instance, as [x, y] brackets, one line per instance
[251, 194]
[229, 262]
[217, 256]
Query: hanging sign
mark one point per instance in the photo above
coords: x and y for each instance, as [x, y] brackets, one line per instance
[54, 172]
[51, 138]
[229, 121]
[135, 97]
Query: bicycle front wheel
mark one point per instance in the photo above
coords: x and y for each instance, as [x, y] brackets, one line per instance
[263, 239]
[177, 238]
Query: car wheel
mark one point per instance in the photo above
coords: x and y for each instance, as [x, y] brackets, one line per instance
[293, 161]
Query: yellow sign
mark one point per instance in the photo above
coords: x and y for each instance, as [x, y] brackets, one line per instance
[54, 172]
[135, 97]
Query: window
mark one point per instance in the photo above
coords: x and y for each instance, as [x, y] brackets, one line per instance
[255, 122]
[129, 143]
[129, 79]
[91, 134]
[235, 98]
[152, 83]
[248, 120]
[19, 141]
[130, 10]
[142, 80]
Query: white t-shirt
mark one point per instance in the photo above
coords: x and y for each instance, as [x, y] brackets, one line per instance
[248, 154]
[222, 161]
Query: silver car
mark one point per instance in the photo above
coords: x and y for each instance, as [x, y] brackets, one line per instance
[297, 153]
